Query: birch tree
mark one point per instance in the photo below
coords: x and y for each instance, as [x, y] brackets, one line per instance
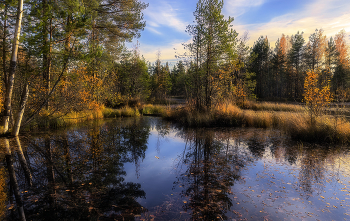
[13, 63]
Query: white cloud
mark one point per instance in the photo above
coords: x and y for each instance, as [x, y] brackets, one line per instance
[331, 16]
[163, 14]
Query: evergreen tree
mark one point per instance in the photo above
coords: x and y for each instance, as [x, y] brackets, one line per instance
[213, 48]
[281, 78]
[260, 63]
[315, 49]
[295, 58]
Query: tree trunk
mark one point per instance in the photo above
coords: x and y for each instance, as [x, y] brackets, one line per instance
[47, 38]
[20, 113]
[13, 64]
[4, 47]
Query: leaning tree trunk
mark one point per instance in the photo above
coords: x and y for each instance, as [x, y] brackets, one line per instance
[18, 120]
[13, 64]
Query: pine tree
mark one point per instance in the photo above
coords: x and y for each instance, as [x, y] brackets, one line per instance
[259, 64]
[213, 48]
[295, 58]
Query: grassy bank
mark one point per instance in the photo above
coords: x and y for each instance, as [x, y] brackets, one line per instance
[61, 120]
[296, 123]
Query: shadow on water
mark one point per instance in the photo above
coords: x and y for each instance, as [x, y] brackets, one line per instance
[214, 174]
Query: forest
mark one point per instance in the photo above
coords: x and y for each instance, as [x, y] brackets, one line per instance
[63, 58]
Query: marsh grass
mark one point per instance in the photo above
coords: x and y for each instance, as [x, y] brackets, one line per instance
[150, 109]
[297, 124]
[271, 106]
[123, 112]
[60, 120]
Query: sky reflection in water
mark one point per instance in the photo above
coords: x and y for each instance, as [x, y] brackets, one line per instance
[149, 170]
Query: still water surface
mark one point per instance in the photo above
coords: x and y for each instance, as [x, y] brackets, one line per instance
[148, 169]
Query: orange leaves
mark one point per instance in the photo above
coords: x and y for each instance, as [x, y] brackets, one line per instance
[316, 96]
[342, 48]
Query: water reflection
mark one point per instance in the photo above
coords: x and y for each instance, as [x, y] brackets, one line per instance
[212, 168]
[3, 193]
[78, 175]
[194, 174]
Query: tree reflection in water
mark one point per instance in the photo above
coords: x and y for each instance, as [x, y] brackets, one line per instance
[78, 175]
[213, 165]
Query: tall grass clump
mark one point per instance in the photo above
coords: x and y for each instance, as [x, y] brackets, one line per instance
[129, 112]
[111, 113]
[150, 109]
[221, 115]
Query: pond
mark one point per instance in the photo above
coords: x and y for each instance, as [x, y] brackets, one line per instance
[149, 169]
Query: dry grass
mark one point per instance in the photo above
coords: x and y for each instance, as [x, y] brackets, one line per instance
[270, 106]
[297, 124]
[59, 120]
[150, 109]
[123, 112]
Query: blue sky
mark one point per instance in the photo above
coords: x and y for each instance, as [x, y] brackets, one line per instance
[166, 22]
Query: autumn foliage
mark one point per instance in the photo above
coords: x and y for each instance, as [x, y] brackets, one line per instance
[317, 95]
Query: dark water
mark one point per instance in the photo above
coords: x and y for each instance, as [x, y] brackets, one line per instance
[148, 169]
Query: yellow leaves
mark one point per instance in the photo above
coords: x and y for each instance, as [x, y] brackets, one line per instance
[315, 95]
[342, 48]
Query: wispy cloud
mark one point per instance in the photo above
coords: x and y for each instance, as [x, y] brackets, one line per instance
[167, 52]
[331, 16]
[239, 7]
[154, 30]
[163, 14]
